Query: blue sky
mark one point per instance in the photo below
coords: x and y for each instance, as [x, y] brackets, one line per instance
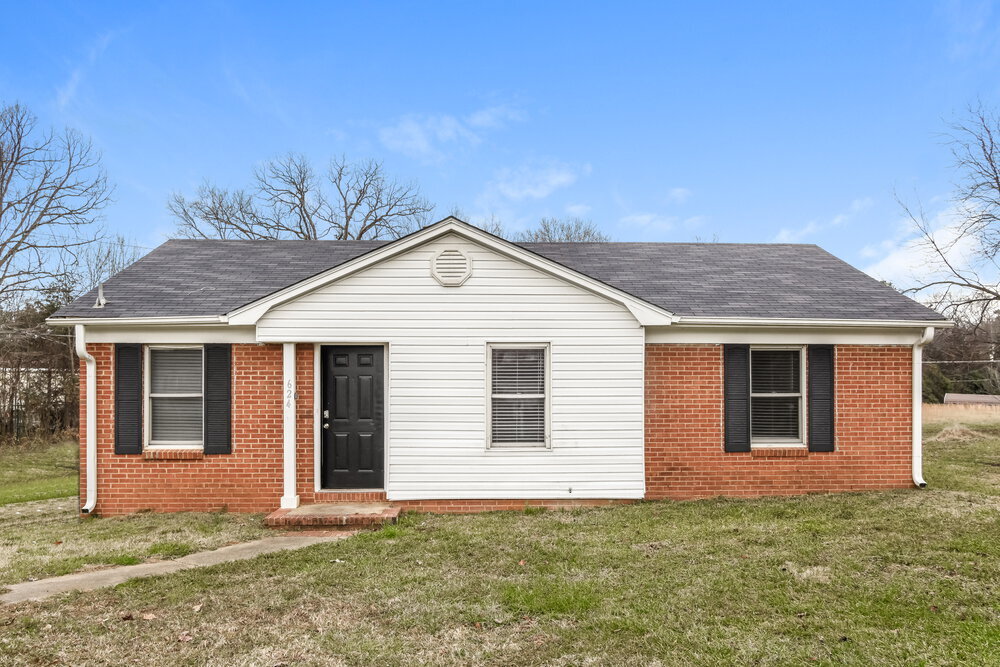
[663, 121]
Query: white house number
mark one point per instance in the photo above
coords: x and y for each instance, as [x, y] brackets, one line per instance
[290, 395]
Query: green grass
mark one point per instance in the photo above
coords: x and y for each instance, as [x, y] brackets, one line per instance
[47, 538]
[38, 473]
[896, 578]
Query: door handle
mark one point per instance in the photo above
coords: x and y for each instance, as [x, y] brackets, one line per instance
[325, 425]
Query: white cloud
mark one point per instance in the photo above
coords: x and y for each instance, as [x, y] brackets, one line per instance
[678, 195]
[494, 117]
[66, 93]
[650, 221]
[654, 225]
[424, 137]
[906, 260]
[813, 227]
[428, 137]
[578, 210]
[535, 180]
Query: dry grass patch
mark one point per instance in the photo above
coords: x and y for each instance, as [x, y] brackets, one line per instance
[46, 538]
[957, 433]
[936, 413]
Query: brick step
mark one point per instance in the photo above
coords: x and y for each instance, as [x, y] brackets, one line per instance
[333, 515]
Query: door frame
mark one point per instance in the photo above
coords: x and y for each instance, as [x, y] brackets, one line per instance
[318, 411]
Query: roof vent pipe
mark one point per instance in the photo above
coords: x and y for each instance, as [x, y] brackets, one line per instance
[101, 301]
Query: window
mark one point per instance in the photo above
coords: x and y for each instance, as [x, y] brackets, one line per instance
[518, 404]
[776, 396]
[174, 396]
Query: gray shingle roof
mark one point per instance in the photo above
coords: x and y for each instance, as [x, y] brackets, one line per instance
[211, 277]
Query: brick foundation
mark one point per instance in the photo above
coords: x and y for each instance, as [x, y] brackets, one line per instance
[684, 451]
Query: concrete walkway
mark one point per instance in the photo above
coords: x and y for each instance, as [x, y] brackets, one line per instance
[88, 581]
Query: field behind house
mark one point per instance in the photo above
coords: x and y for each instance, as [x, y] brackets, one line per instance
[939, 413]
[906, 577]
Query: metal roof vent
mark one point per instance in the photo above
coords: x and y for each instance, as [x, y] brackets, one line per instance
[101, 301]
[451, 268]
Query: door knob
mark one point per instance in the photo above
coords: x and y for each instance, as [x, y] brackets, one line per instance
[326, 425]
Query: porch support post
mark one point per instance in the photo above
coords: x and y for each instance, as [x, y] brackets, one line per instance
[289, 499]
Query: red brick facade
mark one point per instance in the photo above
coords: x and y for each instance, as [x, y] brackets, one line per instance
[247, 480]
[684, 454]
[684, 451]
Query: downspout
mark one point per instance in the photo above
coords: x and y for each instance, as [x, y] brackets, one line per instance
[918, 401]
[81, 351]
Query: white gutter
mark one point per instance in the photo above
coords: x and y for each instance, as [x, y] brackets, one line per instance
[918, 401]
[128, 321]
[91, 435]
[808, 322]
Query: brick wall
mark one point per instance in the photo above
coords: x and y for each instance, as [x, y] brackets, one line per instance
[684, 450]
[248, 480]
[684, 453]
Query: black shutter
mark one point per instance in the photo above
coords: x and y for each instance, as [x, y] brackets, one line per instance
[218, 414]
[821, 398]
[128, 398]
[736, 368]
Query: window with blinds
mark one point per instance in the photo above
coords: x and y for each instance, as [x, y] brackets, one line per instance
[175, 395]
[775, 396]
[518, 401]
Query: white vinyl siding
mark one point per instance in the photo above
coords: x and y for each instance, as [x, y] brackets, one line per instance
[174, 396]
[437, 432]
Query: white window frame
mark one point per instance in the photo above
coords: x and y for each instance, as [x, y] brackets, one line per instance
[147, 395]
[801, 395]
[547, 370]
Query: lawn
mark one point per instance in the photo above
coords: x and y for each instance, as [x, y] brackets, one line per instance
[907, 577]
[37, 473]
[46, 538]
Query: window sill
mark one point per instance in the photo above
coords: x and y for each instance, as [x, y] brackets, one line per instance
[157, 454]
[517, 450]
[779, 452]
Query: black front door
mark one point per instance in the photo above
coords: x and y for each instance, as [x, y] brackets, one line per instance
[351, 409]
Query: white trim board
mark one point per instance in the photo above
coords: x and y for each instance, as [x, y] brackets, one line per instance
[809, 322]
[681, 334]
[163, 334]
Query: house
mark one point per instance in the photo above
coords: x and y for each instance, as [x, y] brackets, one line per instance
[451, 370]
[972, 399]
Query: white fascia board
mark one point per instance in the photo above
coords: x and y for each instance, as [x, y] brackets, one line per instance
[716, 335]
[646, 313]
[194, 334]
[810, 322]
[134, 321]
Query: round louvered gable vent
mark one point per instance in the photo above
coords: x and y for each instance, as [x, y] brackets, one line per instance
[451, 268]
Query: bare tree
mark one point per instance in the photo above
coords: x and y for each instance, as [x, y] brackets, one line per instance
[101, 260]
[52, 189]
[963, 255]
[553, 229]
[492, 225]
[290, 200]
[548, 229]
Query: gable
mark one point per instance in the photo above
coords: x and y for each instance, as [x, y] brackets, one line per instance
[402, 292]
